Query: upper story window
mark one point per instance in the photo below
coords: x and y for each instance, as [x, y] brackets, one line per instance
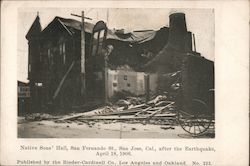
[49, 54]
[95, 43]
[63, 52]
[29, 67]
[125, 77]
[100, 42]
[98, 38]
[114, 84]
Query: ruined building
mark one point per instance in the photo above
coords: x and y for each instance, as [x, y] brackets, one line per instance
[55, 58]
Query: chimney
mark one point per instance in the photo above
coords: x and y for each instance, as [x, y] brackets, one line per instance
[177, 31]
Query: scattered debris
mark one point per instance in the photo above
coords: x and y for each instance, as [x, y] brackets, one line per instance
[166, 128]
[158, 111]
[39, 117]
[21, 120]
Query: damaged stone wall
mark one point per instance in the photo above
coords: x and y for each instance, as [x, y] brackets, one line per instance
[130, 81]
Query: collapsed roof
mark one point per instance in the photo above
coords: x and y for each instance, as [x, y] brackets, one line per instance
[73, 26]
[168, 44]
[133, 37]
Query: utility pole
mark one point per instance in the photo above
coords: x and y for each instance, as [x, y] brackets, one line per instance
[83, 73]
[106, 78]
[194, 42]
[107, 17]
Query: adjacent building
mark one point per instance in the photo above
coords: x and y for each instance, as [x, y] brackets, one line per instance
[23, 91]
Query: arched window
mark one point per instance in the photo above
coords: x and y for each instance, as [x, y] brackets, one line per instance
[98, 37]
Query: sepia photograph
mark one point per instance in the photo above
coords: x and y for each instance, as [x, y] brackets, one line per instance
[116, 73]
[134, 83]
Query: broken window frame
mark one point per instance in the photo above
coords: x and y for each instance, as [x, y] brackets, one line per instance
[62, 51]
[125, 77]
[115, 84]
[98, 44]
[49, 55]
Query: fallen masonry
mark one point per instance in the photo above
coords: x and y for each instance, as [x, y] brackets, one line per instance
[156, 111]
[160, 110]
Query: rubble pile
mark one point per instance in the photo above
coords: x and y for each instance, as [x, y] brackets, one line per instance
[39, 117]
[158, 111]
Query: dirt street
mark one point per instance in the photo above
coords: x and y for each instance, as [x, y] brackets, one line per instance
[50, 129]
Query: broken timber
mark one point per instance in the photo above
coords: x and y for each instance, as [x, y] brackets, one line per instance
[62, 81]
[125, 114]
[129, 117]
[161, 109]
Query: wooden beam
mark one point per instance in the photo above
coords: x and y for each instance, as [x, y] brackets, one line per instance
[65, 27]
[62, 81]
[121, 112]
[81, 16]
[142, 111]
[129, 117]
[147, 86]
[82, 74]
[159, 110]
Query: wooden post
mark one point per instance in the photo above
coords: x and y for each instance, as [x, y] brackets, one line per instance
[194, 42]
[62, 81]
[147, 87]
[83, 79]
[82, 74]
[105, 78]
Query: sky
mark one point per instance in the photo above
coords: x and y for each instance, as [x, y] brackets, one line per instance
[199, 21]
